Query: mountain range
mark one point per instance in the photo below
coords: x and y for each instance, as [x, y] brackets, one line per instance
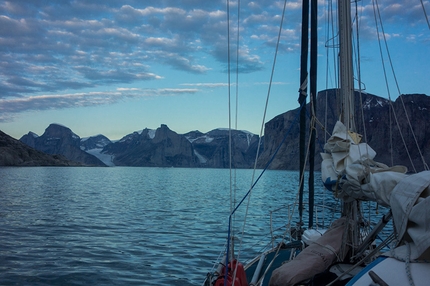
[149, 148]
[165, 148]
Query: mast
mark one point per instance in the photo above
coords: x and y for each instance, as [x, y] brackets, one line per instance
[313, 101]
[350, 209]
[302, 101]
[345, 64]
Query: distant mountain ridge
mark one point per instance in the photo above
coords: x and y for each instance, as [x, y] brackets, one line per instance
[165, 148]
[58, 139]
[15, 153]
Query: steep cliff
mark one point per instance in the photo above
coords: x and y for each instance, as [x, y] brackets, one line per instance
[376, 115]
[212, 148]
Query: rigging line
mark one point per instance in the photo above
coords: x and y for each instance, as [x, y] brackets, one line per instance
[375, 10]
[237, 63]
[290, 216]
[359, 71]
[358, 63]
[331, 23]
[391, 136]
[237, 97]
[317, 122]
[329, 44]
[229, 103]
[262, 127]
[229, 139]
[330, 37]
[253, 185]
[237, 83]
[271, 159]
[398, 90]
[425, 13]
[236, 122]
[323, 127]
[268, 95]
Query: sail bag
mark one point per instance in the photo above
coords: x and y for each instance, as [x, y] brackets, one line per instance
[313, 259]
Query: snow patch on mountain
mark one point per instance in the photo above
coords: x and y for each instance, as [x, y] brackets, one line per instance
[105, 158]
[206, 138]
[33, 134]
[201, 158]
[374, 102]
[151, 133]
[249, 136]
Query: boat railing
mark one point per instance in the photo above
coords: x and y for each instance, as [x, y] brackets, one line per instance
[322, 213]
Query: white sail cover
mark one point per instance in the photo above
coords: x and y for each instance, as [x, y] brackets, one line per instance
[410, 205]
[349, 171]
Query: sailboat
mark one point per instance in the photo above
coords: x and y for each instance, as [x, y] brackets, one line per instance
[344, 254]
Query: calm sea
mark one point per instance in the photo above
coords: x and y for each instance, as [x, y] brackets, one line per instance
[124, 226]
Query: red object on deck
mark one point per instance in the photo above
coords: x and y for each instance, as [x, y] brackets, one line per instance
[240, 279]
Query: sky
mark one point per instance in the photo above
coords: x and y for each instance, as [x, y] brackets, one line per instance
[113, 67]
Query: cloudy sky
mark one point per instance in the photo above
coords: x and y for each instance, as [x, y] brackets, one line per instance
[113, 67]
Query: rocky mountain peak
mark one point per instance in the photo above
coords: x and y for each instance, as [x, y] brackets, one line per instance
[60, 140]
[94, 142]
[17, 153]
[56, 135]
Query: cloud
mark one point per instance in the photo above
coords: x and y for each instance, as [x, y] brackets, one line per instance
[398, 18]
[179, 62]
[10, 107]
[210, 85]
[54, 46]
[69, 46]
[117, 75]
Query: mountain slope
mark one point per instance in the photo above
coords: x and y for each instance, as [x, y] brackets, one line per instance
[58, 139]
[162, 148]
[15, 153]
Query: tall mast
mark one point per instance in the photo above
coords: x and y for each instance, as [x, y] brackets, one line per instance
[302, 100]
[313, 101]
[350, 209]
[345, 64]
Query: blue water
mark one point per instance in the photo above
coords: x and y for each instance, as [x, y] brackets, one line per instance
[121, 225]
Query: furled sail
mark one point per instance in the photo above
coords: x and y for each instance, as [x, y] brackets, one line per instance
[348, 169]
[410, 205]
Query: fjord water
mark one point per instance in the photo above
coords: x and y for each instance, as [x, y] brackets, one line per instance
[123, 225]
